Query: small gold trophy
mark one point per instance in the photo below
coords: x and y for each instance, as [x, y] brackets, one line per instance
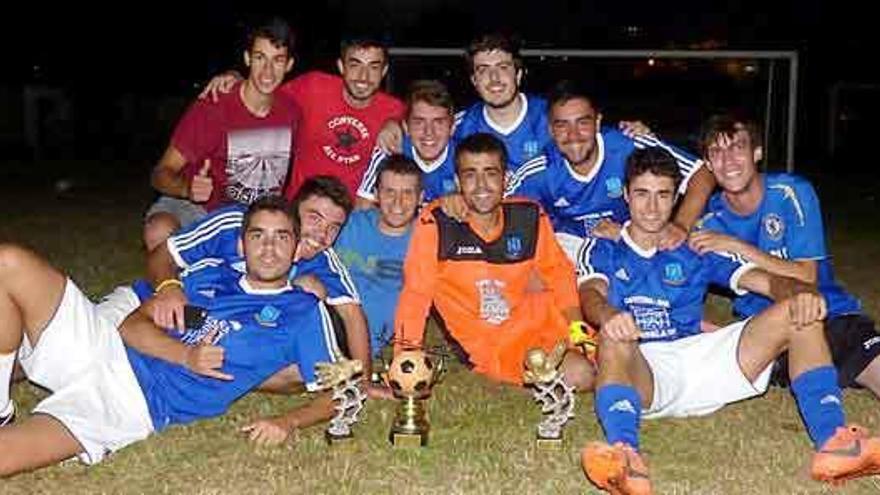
[550, 390]
[411, 376]
[343, 377]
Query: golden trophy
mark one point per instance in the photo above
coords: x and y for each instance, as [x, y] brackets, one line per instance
[556, 397]
[343, 377]
[411, 376]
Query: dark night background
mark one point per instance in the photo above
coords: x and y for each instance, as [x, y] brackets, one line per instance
[124, 72]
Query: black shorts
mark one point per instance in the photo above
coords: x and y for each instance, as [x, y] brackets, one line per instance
[339, 331]
[854, 343]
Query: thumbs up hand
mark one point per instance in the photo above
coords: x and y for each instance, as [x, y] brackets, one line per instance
[201, 185]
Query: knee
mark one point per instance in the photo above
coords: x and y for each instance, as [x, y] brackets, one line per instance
[614, 352]
[13, 257]
[157, 229]
[579, 372]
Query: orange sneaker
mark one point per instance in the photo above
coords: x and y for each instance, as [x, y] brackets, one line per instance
[850, 453]
[617, 469]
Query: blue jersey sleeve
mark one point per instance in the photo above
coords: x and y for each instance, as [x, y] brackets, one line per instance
[328, 268]
[803, 228]
[595, 259]
[215, 236]
[688, 164]
[725, 269]
[367, 188]
[528, 181]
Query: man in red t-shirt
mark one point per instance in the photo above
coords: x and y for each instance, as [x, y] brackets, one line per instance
[340, 115]
[236, 150]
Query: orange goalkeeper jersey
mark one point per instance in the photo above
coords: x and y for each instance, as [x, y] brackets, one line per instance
[479, 286]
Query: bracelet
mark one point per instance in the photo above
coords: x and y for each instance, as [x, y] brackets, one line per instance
[168, 282]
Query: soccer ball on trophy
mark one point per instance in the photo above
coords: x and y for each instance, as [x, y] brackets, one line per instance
[411, 374]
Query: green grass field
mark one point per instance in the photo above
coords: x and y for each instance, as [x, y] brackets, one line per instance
[482, 433]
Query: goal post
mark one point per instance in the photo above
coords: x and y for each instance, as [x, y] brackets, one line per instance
[774, 60]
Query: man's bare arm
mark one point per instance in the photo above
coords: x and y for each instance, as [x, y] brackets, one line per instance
[775, 287]
[140, 333]
[708, 241]
[613, 324]
[167, 305]
[167, 177]
[593, 295]
[357, 334]
[691, 206]
[699, 189]
[276, 430]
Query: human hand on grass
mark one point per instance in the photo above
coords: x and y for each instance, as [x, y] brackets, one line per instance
[267, 431]
[378, 391]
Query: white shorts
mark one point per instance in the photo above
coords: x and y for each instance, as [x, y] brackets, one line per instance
[80, 357]
[118, 304]
[698, 375]
[570, 245]
[184, 210]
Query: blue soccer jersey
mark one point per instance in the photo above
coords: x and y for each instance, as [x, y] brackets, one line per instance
[217, 236]
[375, 261]
[438, 176]
[524, 139]
[788, 225]
[261, 332]
[575, 202]
[663, 290]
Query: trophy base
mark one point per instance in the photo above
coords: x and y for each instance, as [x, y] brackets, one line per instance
[548, 443]
[334, 439]
[408, 440]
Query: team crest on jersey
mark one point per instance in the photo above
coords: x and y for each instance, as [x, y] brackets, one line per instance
[268, 316]
[673, 274]
[513, 244]
[774, 226]
[614, 187]
[210, 332]
[494, 308]
[530, 149]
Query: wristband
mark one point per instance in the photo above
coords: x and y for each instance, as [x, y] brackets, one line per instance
[168, 282]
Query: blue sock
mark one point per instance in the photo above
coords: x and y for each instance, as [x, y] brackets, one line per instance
[819, 401]
[619, 409]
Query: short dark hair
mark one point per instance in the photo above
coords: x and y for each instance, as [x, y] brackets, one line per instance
[481, 142]
[271, 203]
[362, 41]
[401, 165]
[430, 91]
[493, 41]
[274, 29]
[325, 186]
[654, 160]
[729, 123]
[566, 90]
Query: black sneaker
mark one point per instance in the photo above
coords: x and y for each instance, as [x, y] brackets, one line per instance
[7, 417]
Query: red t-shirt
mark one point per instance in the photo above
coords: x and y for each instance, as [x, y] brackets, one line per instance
[334, 137]
[250, 155]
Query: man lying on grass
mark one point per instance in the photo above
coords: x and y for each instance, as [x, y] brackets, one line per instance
[653, 357]
[111, 388]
